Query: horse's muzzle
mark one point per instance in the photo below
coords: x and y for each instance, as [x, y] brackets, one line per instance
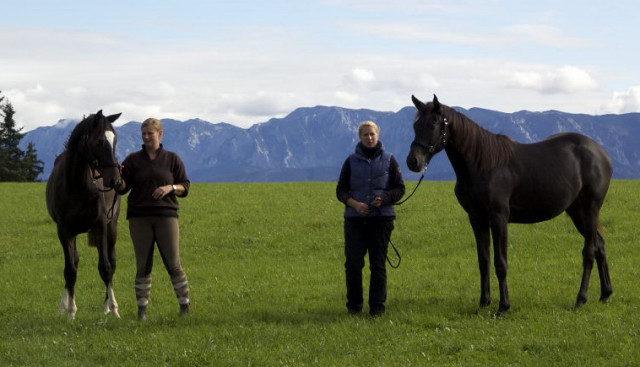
[416, 163]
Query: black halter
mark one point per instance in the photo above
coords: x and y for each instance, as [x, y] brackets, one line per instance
[95, 174]
[444, 133]
[95, 164]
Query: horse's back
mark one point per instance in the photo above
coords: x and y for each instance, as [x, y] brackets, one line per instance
[569, 152]
[551, 174]
[593, 161]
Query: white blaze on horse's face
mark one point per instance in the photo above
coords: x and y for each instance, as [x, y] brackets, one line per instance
[111, 137]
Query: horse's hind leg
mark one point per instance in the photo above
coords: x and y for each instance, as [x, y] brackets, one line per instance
[71, 260]
[499, 234]
[603, 269]
[586, 223]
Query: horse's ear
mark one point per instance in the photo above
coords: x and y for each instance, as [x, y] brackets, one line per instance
[112, 118]
[99, 113]
[416, 102]
[436, 104]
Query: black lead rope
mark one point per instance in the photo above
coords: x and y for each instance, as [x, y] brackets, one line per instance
[397, 254]
[110, 212]
[113, 205]
[392, 245]
[412, 192]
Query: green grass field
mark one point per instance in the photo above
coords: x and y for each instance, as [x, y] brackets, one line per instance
[265, 265]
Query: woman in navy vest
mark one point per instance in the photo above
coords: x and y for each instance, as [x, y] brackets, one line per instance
[370, 182]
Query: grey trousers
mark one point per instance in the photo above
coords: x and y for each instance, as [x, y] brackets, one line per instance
[165, 232]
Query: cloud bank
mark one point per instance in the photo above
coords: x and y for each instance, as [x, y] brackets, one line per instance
[375, 57]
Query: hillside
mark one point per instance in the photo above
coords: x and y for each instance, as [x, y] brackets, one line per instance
[311, 143]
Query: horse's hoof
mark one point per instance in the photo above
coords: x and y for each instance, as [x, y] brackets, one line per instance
[113, 311]
[580, 302]
[500, 314]
[604, 299]
[604, 296]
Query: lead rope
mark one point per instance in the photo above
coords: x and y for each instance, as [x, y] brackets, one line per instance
[390, 242]
[397, 254]
[431, 149]
[95, 178]
[113, 205]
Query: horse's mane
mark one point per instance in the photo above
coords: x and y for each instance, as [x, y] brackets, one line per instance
[77, 134]
[82, 131]
[484, 149]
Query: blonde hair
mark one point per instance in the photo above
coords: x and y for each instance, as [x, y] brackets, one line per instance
[155, 123]
[370, 124]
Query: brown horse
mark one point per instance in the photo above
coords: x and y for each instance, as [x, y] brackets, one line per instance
[82, 197]
[501, 181]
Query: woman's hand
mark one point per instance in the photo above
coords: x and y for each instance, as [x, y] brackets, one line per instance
[161, 192]
[360, 207]
[377, 202]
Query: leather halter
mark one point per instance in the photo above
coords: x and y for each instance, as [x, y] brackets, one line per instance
[443, 141]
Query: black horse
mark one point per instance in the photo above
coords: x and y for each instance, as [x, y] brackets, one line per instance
[82, 197]
[501, 181]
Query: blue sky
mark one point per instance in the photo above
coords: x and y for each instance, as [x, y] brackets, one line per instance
[244, 62]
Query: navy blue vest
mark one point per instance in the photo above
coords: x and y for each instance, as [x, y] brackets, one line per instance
[369, 178]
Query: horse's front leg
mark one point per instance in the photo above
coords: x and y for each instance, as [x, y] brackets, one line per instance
[499, 233]
[106, 266]
[481, 233]
[71, 260]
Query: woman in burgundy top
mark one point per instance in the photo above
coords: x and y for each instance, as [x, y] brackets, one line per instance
[155, 177]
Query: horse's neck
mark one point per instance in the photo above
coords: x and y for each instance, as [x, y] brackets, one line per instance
[459, 131]
[77, 171]
[473, 149]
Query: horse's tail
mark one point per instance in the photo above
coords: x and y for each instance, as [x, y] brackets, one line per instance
[601, 228]
[90, 240]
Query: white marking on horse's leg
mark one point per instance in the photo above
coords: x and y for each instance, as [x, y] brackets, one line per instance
[110, 304]
[68, 305]
[110, 136]
[73, 309]
[64, 301]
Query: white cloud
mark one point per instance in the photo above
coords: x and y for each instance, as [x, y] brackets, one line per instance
[420, 32]
[346, 98]
[259, 66]
[624, 102]
[363, 75]
[545, 35]
[567, 79]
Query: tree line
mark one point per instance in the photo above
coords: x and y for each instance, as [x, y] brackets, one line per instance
[16, 165]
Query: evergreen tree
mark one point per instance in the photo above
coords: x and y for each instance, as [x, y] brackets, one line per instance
[15, 165]
[32, 166]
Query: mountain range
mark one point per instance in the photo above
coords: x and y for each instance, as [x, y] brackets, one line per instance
[311, 143]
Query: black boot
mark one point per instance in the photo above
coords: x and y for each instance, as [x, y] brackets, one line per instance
[185, 309]
[142, 313]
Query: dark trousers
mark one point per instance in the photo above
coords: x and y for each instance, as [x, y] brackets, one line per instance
[165, 232]
[362, 235]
